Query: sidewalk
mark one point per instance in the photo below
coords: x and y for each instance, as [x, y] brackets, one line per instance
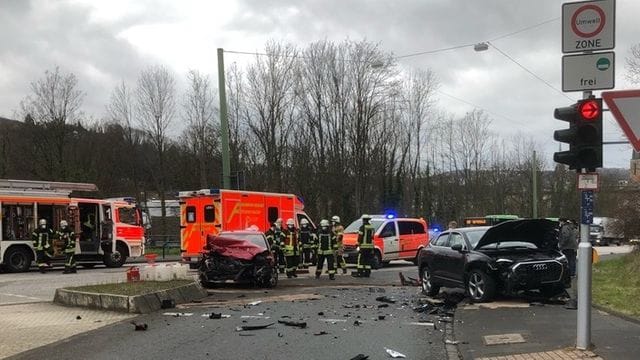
[540, 332]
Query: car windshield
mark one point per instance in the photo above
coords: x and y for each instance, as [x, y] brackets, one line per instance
[474, 236]
[256, 239]
[354, 226]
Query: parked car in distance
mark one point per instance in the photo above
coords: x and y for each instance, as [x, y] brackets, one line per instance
[394, 239]
[238, 256]
[510, 257]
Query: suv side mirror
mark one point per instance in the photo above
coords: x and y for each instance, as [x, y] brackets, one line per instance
[457, 247]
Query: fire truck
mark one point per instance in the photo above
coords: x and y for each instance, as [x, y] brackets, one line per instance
[107, 230]
[209, 211]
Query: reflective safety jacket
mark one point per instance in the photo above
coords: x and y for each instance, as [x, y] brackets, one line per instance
[307, 238]
[365, 236]
[326, 242]
[338, 229]
[274, 237]
[42, 239]
[69, 240]
[290, 242]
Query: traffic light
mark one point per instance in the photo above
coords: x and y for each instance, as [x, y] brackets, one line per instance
[584, 134]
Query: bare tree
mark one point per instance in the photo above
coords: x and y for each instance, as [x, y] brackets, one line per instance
[633, 64]
[156, 107]
[54, 102]
[200, 115]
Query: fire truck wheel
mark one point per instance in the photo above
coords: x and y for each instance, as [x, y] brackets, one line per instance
[18, 259]
[115, 259]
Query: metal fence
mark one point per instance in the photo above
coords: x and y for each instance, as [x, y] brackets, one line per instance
[166, 242]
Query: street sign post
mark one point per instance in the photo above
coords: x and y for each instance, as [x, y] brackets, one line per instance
[625, 107]
[588, 26]
[588, 71]
[588, 181]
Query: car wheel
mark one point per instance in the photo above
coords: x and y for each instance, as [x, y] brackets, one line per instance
[428, 287]
[273, 279]
[376, 262]
[480, 286]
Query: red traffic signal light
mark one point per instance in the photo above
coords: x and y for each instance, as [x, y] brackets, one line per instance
[590, 109]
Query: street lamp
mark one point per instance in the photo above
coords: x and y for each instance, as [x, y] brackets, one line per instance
[224, 121]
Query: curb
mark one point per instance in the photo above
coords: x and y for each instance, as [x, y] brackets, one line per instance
[138, 304]
[616, 313]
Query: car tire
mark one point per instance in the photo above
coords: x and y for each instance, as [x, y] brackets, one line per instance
[273, 279]
[428, 287]
[480, 286]
[377, 260]
[18, 259]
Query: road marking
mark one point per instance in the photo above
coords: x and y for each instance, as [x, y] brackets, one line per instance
[23, 296]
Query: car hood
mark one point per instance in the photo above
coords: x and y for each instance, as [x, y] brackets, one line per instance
[540, 232]
[235, 248]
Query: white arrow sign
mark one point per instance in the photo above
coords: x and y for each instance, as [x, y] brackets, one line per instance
[625, 107]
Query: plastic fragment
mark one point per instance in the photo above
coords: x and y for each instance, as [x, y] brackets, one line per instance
[394, 354]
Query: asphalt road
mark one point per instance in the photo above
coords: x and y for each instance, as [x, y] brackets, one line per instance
[342, 321]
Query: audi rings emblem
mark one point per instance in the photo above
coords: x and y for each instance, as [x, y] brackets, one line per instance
[539, 267]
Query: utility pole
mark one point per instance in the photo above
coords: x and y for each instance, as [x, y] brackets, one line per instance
[224, 122]
[534, 186]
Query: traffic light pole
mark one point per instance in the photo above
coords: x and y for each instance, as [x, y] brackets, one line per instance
[583, 340]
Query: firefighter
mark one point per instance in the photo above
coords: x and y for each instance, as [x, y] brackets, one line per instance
[326, 249]
[42, 238]
[69, 238]
[307, 242]
[365, 246]
[278, 237]
[290, 248]
[337, 230]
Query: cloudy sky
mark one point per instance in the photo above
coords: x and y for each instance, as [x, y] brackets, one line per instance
[105, 42]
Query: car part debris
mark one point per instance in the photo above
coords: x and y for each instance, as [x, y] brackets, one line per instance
[321, 333]
[383, 306]
[451, 342]
[381, 317]
[78, 317]
[254, 303]
[408, 281]
[168, 304]
[360, 357]
[357, 323]
[253, 327]
[300, 324]
[321, 313]
[215, 315]
[423, 323]
[139, 327]
[385, 299]
[394, 354]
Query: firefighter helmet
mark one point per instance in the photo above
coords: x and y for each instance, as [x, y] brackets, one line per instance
[324, 223]
[290, 222]
[335, 218]
[42, 223]
[63, 224]
[304, 222]
[366, 217]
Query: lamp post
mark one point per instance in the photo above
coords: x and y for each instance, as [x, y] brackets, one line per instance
[224, 121]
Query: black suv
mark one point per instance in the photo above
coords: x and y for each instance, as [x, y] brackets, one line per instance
[510, 257]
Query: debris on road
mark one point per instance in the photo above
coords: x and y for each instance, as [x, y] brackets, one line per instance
[423, 323]
[254, 303]
[253, 327]
[254, 317]
[78, 317]
[408, 281]
[381, 317]
[357, 323]
[139, 327]
[216, 316]
[394, 354]
[321, 333]
[451, 342]
[300, 324]
[333, 321]
[385, 299]
[383, 306]
[360, 357]
[321, 313]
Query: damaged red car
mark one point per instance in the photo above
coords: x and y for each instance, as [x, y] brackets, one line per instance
[238, 256]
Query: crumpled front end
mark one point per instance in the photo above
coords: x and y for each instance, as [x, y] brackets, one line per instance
[535, 275]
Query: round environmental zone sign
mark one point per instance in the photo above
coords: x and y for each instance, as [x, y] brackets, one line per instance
[603, 64]
[588, 21]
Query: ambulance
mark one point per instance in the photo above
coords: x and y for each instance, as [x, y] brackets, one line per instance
[210, 211]
[107, 230]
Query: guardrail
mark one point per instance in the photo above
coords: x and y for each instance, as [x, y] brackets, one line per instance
[165, 242]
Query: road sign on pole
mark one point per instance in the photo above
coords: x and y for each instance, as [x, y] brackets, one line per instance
[588, 71]
[625, 107]
[588, 26]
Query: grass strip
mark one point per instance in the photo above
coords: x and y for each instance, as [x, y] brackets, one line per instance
[616, 284]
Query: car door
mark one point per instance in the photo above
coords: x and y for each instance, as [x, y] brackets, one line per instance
[389, 236]
[437, 259]
[454, 259]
